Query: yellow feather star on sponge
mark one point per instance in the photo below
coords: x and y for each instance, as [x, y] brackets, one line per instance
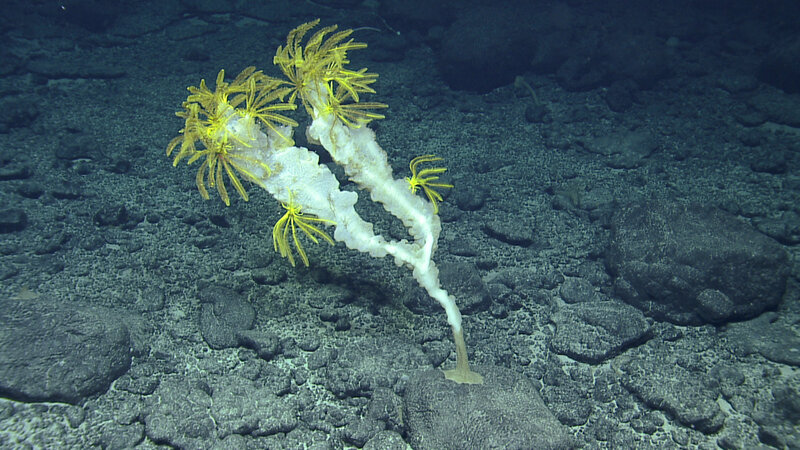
[293, 219]
[426, 179]
[243, 134]
[208, 116]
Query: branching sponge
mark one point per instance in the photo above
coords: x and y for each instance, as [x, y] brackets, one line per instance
[241, 132]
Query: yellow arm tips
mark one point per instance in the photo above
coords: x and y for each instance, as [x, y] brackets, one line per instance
[291, 220]
[172, 144]
[426, 179]
[211, 173]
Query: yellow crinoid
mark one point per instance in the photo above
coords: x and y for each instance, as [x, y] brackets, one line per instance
[352, 114]
[252, 98]
[317, 75]
[292, 220]
[427, 179]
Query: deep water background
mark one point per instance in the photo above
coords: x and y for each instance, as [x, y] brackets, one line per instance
[622, 238]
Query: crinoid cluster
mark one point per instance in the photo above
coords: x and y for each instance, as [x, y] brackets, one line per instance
[251, 98]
